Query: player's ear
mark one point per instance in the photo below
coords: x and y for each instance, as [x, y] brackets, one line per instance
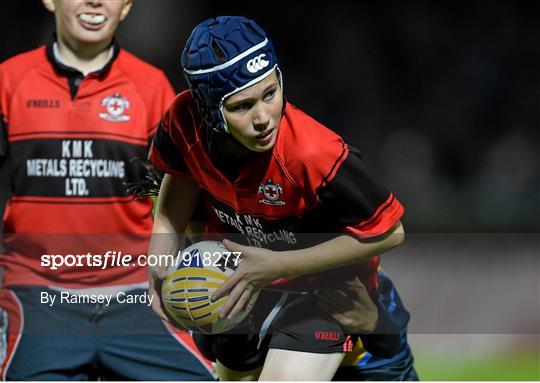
[125, 9]
[49, 5]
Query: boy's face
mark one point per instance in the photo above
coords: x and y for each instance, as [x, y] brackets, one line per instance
[253, 114]
[84, 22]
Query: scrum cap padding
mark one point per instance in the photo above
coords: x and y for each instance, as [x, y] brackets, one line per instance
[222, 56]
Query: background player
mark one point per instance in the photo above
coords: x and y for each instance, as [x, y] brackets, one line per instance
[74, 113]
[261, 160]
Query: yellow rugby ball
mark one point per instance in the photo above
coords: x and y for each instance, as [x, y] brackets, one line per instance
[196, 273]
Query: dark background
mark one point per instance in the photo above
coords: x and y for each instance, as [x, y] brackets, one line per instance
[442, 98]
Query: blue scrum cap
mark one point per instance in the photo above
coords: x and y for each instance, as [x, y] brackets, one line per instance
[223, 56]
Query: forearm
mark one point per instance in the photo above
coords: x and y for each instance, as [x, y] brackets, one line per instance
[176, 202]
[337, 252]
[260, 267]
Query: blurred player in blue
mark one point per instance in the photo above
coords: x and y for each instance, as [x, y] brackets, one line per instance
[269, 173]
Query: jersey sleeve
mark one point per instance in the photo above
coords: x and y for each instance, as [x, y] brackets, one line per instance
[165, 154]
[163, 97]
[355, 203]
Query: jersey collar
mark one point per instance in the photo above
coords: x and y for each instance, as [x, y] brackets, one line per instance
[67, 71]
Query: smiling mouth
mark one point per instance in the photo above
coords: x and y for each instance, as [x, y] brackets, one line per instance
[92, 18]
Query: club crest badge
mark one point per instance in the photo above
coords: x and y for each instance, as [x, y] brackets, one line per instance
[115, 107]
[271, 193]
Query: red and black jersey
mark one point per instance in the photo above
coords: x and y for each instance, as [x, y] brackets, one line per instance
[68, 140]
[310, 182]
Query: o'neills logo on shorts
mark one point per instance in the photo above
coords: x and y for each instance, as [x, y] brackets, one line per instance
[327, 335]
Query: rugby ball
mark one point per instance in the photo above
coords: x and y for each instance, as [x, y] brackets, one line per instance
[195, 274]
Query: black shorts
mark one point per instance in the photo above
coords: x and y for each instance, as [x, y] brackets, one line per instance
[299, 325]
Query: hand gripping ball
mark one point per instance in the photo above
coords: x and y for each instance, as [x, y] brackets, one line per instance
[196, 273]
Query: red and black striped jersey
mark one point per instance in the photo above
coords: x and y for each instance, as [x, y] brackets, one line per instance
[68, 140]
[309, 186]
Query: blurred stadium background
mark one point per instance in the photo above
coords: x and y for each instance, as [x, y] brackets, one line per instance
[443, 99]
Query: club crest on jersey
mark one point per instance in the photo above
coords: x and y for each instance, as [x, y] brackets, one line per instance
[116, 106]
[271, 192]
